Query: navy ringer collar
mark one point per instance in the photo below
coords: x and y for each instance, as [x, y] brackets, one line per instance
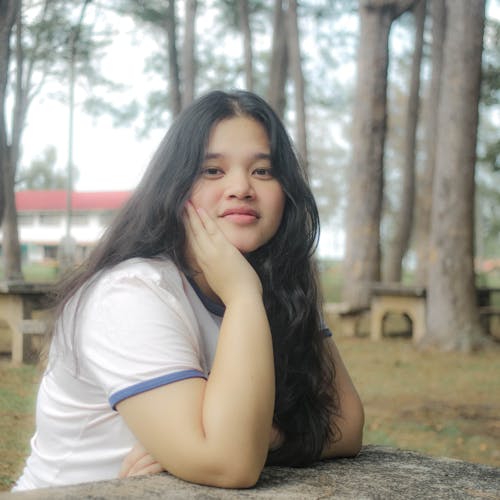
[209, 304]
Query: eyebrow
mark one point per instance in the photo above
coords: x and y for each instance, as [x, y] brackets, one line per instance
[256, 156]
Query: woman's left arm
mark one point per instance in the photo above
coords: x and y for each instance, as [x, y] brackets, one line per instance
[350, 422]
[351, 419]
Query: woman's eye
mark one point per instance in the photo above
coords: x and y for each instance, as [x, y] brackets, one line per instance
[264, 172]
[211, 171]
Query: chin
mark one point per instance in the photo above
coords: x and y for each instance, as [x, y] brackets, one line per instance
[246, 246]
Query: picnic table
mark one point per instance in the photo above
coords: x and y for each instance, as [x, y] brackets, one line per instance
[21, 308]
[395, 298]
[402, 299]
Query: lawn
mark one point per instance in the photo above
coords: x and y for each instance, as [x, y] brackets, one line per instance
[443, 404]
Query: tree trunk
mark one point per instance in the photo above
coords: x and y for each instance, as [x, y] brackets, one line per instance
[188, 54]
[247, 43]
[298, 79]
[362, 256]
[452, 314]
[173, 66]
[8, 12]
[425, 179]
[10, 235]
[279, 61]
[404, 216]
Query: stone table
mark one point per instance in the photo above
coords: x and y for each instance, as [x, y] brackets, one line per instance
[377, 473]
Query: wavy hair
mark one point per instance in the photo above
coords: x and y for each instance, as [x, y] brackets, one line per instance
[150, 225]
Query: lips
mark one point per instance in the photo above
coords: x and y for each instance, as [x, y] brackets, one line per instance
[240, 211]
[240, 215]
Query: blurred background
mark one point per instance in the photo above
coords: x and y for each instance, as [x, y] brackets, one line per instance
[394, 109]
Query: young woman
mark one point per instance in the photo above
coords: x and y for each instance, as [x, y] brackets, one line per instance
[193, 333]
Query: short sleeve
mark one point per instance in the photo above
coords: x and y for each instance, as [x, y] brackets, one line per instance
[135, 334]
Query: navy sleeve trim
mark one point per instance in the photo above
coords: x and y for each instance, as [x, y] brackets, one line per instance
[153, 383]
[326, 332]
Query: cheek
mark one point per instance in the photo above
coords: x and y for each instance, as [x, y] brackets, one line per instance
[202, 197]
[278, 206]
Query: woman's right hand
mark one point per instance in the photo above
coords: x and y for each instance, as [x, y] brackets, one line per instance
[226, 270]
[139, 462]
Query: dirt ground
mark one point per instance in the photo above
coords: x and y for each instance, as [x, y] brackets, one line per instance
[443, 404]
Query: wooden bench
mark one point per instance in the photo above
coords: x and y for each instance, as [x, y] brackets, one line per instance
[486, 314]
[22, 309]
[488, 307]
[349, 319]
[396, 298]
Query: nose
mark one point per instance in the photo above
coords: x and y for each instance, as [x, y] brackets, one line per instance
[239, 186]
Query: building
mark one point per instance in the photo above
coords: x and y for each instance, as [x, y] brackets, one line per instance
[42, 220]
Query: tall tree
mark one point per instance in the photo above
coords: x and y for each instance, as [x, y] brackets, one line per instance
[366, 179]
[278, 68]
[404, 216]
[174, 80]
[452, 314]
[247, 43]
[43, 31]
[179, 87]
[8, 14]
[298, 79]
[425, 178]
[188, 53]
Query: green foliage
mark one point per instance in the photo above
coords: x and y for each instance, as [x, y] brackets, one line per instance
[330, 273]
[42, 173]
[122, 115]
[150, 13]
[489, 150]
[490, 91]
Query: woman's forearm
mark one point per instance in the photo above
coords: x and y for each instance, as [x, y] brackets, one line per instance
[239, 397]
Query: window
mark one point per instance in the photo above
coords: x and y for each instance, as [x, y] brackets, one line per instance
[79, 219]
[25, 219]
[50, 219]
[50, 252]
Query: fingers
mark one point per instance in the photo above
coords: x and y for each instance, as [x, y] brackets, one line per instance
[200, 223]
[132, 457]
[203, 234]
[138, 462]
[146, 465]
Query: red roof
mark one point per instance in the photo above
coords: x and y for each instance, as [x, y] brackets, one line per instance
[36, 201]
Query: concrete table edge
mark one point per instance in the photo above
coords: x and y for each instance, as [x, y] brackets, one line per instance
[377, 473]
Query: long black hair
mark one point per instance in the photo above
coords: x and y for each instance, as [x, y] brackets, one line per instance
[150, 225]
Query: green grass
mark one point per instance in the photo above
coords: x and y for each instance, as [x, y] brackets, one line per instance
[443, 404]
[37, 273]
[17, 404]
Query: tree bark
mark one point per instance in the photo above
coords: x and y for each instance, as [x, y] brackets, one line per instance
[10, 236]
[298, 79]
[188, 53]
[8, 13]
[247, 43]
[425, 179]
[404, 216]
[364, 207]
[278, 68]
[173, 65]
[452, 314]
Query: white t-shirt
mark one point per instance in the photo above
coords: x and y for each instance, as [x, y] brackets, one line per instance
[140, 325]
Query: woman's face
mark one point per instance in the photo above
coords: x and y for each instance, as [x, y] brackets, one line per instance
[236, 186]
